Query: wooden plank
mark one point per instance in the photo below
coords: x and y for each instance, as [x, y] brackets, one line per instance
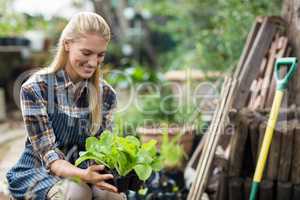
[285, 162]
[262, 69]
[282, 44]
[254, 136]
[257, 96]
[274, 156]
[228, 93]
[257, 102]
[284, 191]
[196, 154]
[269, 73]
[247, 188]
[266, 190]
[237, 144]
[205, 161]
[296, 192]
[222, 192]
[248, 45]
[208, 142]
[262, 130]
[295, 176]
[251, 67]
[228, 103]
[235, 188]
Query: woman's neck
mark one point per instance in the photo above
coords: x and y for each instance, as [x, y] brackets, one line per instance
[72, 74]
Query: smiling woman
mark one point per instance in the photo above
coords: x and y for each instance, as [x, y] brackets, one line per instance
[62, 105]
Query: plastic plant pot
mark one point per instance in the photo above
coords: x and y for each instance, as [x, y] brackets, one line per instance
[120, 182]
[134, 182]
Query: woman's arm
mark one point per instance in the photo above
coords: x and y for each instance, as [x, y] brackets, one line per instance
[91, 175]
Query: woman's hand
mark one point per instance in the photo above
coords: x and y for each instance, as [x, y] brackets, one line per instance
[92, 175]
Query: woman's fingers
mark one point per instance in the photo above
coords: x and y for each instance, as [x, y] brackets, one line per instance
[103, 177]
[105, 186]
[97, 167]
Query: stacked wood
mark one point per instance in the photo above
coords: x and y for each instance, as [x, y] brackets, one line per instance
[281, 177]
[262, 88]
[253, 59]
[264, 44]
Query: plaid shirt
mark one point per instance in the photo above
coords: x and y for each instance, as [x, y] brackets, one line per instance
[41, 94]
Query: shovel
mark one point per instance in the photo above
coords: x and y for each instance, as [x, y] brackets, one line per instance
[281, 85]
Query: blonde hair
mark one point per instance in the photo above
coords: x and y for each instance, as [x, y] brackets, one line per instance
[80, 24]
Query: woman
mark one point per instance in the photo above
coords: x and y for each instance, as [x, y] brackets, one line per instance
[62, 105]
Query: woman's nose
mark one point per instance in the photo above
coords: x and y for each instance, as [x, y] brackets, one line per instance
[94, 61]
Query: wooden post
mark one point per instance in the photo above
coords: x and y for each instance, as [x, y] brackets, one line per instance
[235, 188]
[296, 192]
[274, 156]
[262, 130]
[222, 193]
[247, 187]
[295, 175]
[285, 162]
[254, 136]
[266, 190]
[284, 191]
[237, 144]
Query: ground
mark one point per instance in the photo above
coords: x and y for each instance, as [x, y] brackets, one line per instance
[12, 140]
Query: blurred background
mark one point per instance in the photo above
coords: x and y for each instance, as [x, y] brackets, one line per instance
[166, 60]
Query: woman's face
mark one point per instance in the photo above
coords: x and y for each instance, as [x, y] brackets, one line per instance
[85, 55]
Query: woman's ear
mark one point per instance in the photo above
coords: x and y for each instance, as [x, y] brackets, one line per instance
[67, 44]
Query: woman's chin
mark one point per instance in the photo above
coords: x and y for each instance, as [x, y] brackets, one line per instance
[86, 75]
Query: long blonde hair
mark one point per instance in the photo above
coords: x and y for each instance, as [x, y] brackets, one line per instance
[81, 23]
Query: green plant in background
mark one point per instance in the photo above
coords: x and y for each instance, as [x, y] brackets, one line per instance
[123, 154]
[171, 151]
[155, 108]
[208, 34]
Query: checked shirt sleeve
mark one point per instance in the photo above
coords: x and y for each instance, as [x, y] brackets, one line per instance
[38, 125]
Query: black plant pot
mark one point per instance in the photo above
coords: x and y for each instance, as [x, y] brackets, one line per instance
[177, 176]
[134, 182]
[120, 182]
[170, 196]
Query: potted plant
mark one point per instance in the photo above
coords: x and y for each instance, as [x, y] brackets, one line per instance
[169, 182]
[126, 158]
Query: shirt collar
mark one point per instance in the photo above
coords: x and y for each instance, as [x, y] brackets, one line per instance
[65, 81]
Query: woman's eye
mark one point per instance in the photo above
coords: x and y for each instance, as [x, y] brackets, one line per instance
[85, 53]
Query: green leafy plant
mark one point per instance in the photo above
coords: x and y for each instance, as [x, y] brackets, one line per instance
[124, 154]
[171, 151]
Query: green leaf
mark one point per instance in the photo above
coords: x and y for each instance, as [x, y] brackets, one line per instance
[144, 157]
[91, 143]
[150, 147]
[89, 156]
[157, 164]
[105, 142]
[143, 171]
[133, 140]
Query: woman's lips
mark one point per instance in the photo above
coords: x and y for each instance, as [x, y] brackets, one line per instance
[88, 69]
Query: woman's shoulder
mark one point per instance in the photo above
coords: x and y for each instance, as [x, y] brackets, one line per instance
[38, 80]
